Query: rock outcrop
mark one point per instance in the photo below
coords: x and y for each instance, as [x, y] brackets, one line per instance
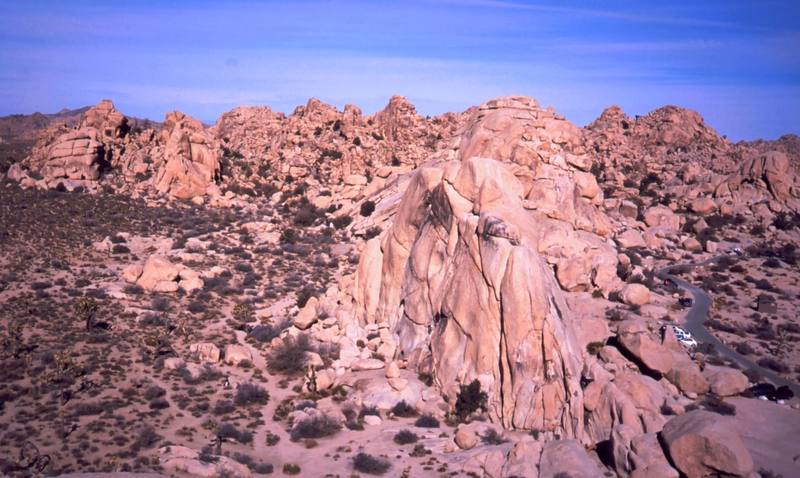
[78, 157]
[702, 443]
[766, 176]
[190, 161]
[465, 289]
[160, 275]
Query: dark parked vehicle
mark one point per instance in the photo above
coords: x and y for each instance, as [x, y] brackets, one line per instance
[686, 301]
[768, 391]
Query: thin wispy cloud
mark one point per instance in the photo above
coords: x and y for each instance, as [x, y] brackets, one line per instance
[608, 14]
[206, 57]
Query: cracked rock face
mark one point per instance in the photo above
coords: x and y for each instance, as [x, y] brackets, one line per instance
[464, 288]
[191, 158]
[769, 175]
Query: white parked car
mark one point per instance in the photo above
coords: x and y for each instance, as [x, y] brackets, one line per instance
[684, 337]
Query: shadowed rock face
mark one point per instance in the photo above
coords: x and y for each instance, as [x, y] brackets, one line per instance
[464, 288]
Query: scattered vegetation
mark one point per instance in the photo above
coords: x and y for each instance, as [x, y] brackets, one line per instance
[250, 393]
[371, 465]
[289, 358]
[470, 399]
[405, 437]
[426, 421]
[318, 425]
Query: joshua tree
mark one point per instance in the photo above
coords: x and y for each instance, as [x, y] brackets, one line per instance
[86, 309]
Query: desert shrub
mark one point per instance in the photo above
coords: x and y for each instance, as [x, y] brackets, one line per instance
[160, 304]
[147, 438]
[372, 232]
[426, 421]
[133, 289]
[265, 333]
[228, 430]
[491, 437]
[470, 399]
[405, 437]
[249, 462]
[786, 221]
[243, 312]
[196, 307]
[593, 348]
[120, 249]
[370, 465]
[772, 364]
[222, 407]
[289, 357]
[158, 404]
[303, 295]
[744, 348]
[272, 439]
[207, 374]
[369, 411]
[248, 393]
[403, 410]
[154, 392]
[765, 473]
[717, 405]
[88, 408]
[332, 153]
[291, 469]
[723, 326]
[367, 208]
[306, 215]
[340, 222]
[317, 426]
[419, 451]
[153, 320]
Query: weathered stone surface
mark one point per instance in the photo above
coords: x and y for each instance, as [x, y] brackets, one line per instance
[635, 294]
[647, 351]
[180, 459]
[161, 275]
[307, 315]
[703, 206]
[769, 174]
[702, 443]
[466, 437]
[630, 238]
[660, 216]
[686, 375]
[236, 354]
[567, 458]
[467, 269]
[206, 351]
[725, 381]
[190, 158]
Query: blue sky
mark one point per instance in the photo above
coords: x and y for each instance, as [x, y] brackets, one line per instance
[736, 62]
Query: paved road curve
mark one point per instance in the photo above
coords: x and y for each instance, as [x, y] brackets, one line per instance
[695, 320]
